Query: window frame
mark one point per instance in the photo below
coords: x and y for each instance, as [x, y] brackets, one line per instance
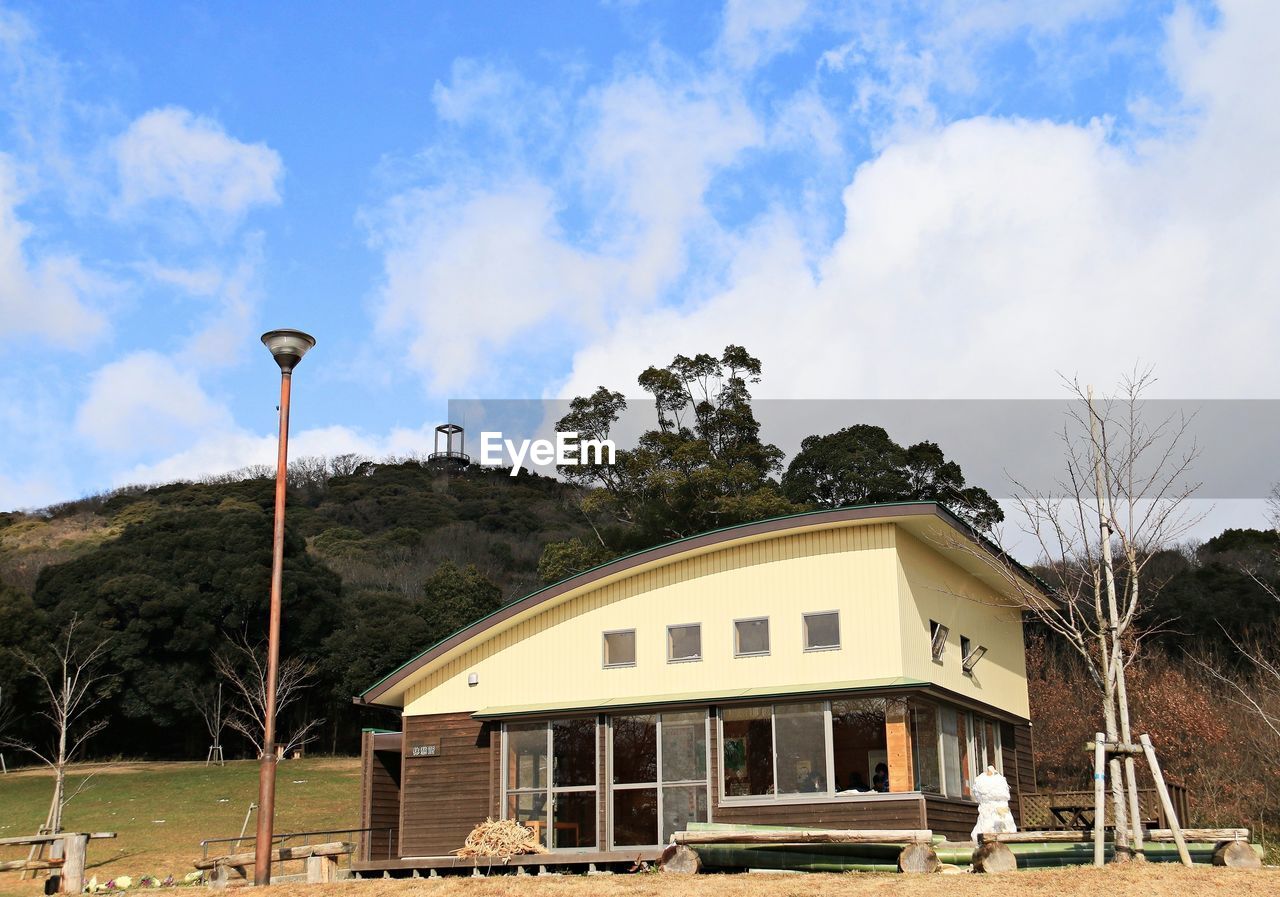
[604, 649]
[550, 790]
[671, 644]
[804, 630]
[939, 656]
[660, 784]
[768, 637]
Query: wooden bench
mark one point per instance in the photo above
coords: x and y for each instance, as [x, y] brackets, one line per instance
[321, 863]
[66, 858]
[917, 855]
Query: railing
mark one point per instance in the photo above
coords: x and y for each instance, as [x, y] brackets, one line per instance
[1037, 812]
[298, 839]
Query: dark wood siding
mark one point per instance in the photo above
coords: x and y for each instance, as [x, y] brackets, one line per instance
[1019, 765]
[950, 817]
[379, 800]
[445, 796]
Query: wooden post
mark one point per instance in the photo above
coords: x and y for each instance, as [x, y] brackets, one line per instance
[1099, 799]
[322, 869]
[74, 848]
[1165, 801]
[898, 747]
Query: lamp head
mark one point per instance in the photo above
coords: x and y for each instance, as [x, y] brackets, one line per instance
[287, 347]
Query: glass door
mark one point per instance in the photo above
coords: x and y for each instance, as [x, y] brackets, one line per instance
[658, 782]
[549, 781]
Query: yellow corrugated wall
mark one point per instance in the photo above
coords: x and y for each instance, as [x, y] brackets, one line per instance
[555, 657]
[933, 588]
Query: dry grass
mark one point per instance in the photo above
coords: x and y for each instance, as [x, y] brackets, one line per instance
[1155, 880]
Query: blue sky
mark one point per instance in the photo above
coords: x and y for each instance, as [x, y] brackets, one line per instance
[522, 200]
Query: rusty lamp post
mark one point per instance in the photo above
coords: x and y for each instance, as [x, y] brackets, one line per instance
[287, 347]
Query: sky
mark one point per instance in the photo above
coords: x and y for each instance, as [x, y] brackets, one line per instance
[955, 199]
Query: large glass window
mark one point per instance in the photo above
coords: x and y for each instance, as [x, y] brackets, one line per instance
[659, 766]
[952, 781]
[859, 745]
[550, 780]
[800, 739]
[747, 751]
[924, 747]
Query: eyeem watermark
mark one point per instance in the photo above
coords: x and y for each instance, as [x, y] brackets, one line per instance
[567, 450]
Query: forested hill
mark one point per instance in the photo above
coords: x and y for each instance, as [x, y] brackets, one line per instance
[382, 560]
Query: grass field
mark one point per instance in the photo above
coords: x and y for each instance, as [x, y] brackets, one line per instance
[161, 811]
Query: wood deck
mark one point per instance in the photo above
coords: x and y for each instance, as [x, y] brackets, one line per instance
[529, 864]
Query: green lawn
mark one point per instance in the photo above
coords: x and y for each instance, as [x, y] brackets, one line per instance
[161, 811]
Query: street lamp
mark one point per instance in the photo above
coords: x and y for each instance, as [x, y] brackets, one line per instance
[287, 347]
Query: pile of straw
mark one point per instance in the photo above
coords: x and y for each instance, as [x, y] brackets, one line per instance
[503, 838]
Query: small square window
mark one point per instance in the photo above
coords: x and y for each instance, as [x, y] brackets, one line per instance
[751, 636]
[620, 648]
[684, 642]
[822, 630]
[938, 639]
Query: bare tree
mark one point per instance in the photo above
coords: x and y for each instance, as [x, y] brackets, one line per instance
[209, 702]
[1122, 497]
[72, 679]
[244, 667]
[1260, 693]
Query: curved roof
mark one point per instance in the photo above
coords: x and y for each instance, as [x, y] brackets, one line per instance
[917, 515]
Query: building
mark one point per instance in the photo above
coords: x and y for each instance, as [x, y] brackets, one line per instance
[851, 668]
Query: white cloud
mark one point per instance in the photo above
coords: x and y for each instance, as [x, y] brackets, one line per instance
[144, 404]
[756, 30]
[40, 295]
[981, 258]
[170, 154]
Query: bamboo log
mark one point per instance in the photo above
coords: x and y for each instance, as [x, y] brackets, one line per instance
[1170, 813]
[731, 856]
[805, 836]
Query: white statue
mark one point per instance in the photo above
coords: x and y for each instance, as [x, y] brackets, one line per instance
[991, 791]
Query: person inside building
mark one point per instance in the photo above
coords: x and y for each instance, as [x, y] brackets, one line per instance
[880, 781]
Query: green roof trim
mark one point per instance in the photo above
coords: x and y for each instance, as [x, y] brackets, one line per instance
[698, 697]
[941, 509]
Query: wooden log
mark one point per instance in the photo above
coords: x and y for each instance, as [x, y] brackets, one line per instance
[680, 860]
[73, 859]
[30, 865]
[1170, 813]
[1200, 834]
[280, 854]
[48, 839]
[1071, 836]
[994, 857]
[918, 857]
[1237, 854]
[806, 836]
[1099, 799]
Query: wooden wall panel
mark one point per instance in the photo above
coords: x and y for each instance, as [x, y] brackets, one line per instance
[898, 736]
[950, 817]
[445, 796]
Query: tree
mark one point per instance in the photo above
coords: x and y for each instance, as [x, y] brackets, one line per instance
[243, 666]
[208, 701]
[73, 681]
[1123, 493]
[560, 560]
[454, 597]
[703, 466]
[861, 465]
